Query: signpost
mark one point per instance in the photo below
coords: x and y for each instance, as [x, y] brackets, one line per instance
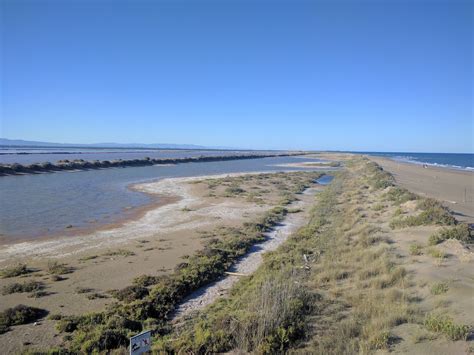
[140, 343]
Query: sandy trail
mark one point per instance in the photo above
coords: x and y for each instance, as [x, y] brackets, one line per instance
[250, 262]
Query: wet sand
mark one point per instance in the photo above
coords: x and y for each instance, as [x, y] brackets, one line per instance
[455, 188]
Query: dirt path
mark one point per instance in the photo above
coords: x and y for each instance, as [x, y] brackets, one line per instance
[250, 262]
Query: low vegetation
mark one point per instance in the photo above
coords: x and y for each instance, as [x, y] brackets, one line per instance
[28, 286]
[56, 268]
[439, 288]
[20, 314]
[120, 252]
[347, 289]
[14, 271]
[445, 325]
[437, 253]
[416, 249]
[399, 195]
[432, 212]
[460, 232]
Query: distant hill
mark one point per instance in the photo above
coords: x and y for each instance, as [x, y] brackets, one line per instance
[24, 143]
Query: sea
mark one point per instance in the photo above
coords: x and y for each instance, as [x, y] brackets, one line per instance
[457, 161]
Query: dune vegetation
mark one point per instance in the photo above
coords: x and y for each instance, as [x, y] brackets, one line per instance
[337, 286]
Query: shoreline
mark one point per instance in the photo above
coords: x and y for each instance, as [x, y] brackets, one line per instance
[455, 188]
[428, 165]
[172, 193]
[128, 214]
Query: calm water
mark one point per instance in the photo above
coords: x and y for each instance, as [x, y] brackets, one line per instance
[44, 204]
[40, 155]
[447, 160]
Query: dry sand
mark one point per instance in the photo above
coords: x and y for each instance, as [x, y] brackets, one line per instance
[455, 188]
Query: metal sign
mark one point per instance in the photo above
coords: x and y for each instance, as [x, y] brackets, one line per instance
[140, 343]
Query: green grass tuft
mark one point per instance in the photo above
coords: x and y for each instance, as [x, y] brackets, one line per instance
[445, 325]
[416, 249]
[439, 288]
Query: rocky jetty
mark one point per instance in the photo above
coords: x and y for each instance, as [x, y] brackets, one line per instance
[80, 164]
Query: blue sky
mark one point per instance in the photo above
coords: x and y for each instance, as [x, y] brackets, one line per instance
[349, 75]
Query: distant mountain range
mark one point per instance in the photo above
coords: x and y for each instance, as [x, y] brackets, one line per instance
[23, 143]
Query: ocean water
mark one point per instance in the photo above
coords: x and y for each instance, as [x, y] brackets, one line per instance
[459, 161]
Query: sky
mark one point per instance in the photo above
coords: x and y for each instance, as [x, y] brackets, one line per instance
[393, 75]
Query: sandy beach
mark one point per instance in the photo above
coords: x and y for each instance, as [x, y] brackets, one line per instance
[455, 188]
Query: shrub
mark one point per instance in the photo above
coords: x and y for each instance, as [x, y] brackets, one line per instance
[379, 179]
[416, 249]
[446, 326]
[398, 212]
[95, 295]
[233, 191]
[436, 253]
[400, 195]
[460, 232]
[13, 271]
[439, 288]
[56, 268]
[28, 286]
[146, 280]
[56, 278]
[38, 294]
[432, 213]
[378, 207]
[81, 290]
[120, 252]
[130, 293]
[265, 317]
[380, 340]
[20, 314]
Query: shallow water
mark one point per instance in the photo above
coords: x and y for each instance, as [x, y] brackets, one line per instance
[34, 206]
